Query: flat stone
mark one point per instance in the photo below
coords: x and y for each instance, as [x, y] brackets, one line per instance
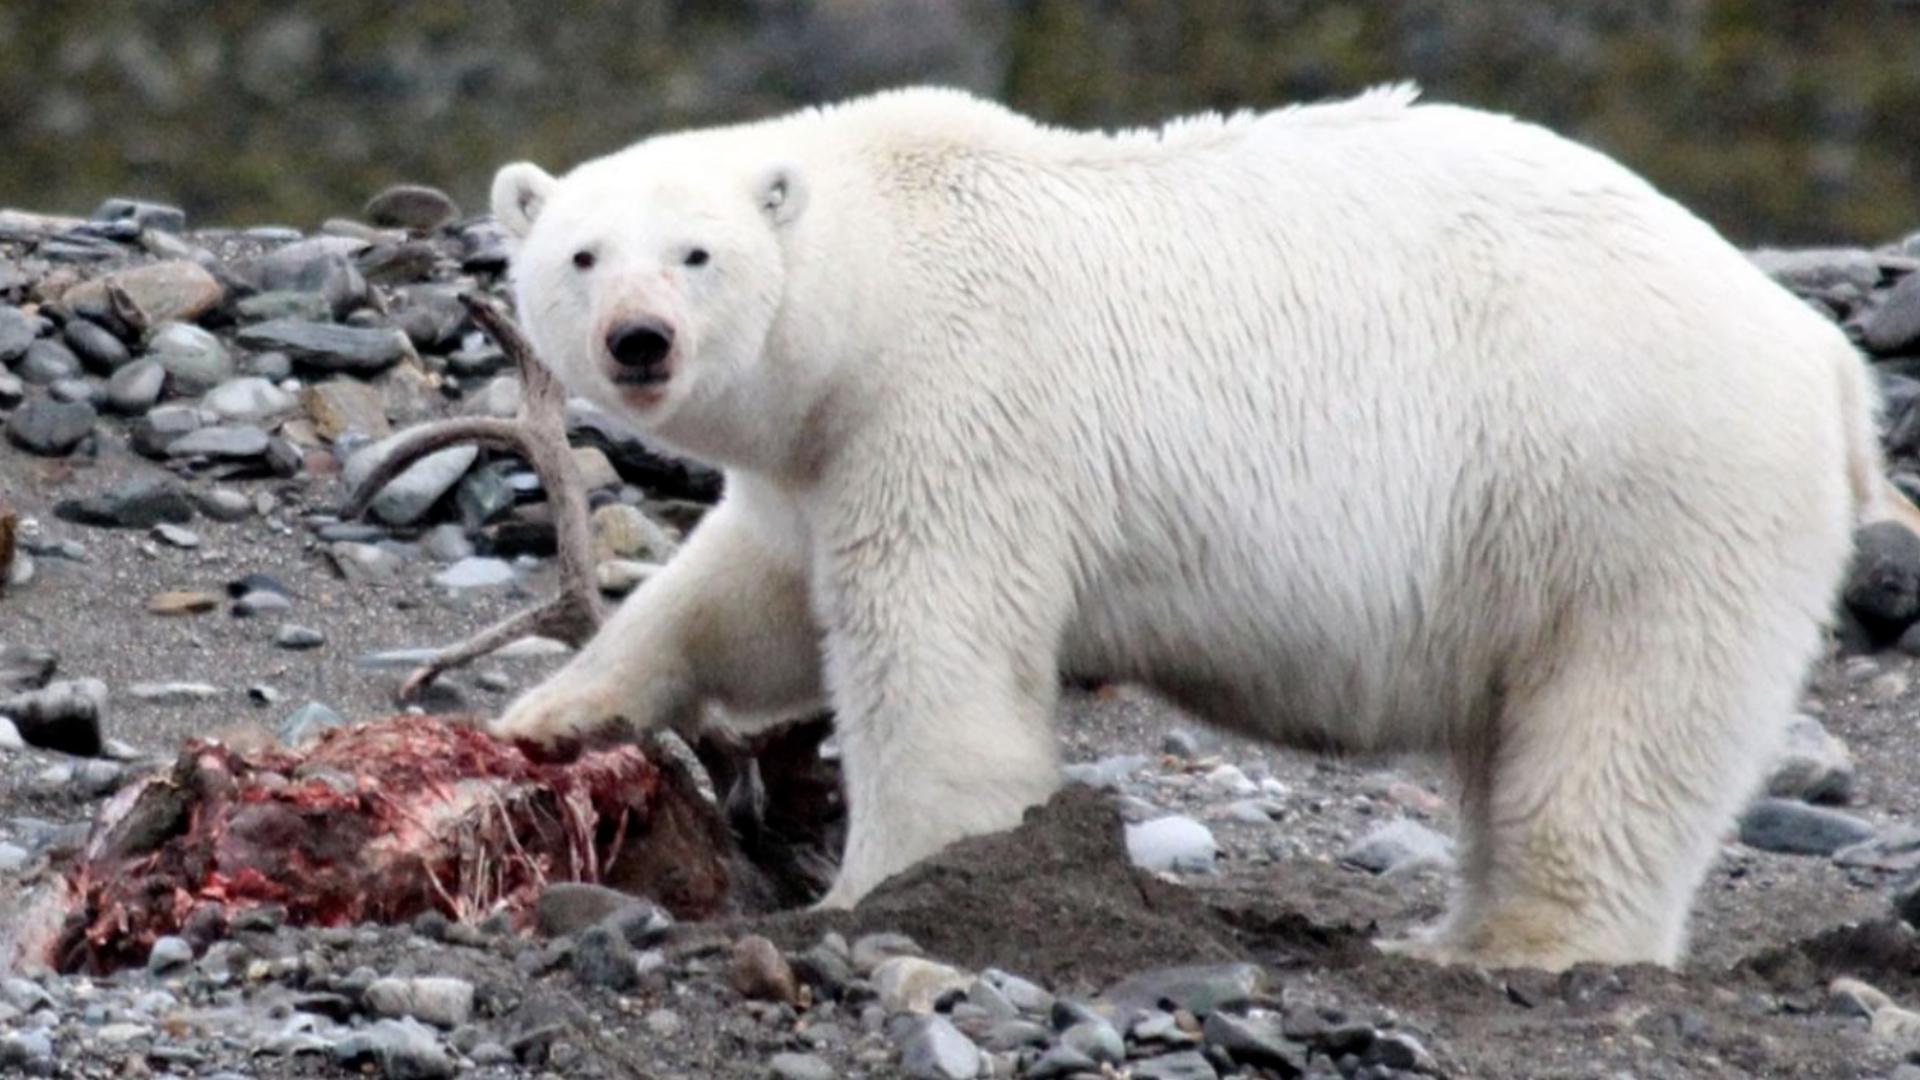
[12, 390]
[226, 442]
[284, 304]
[1179, 1065]
[1795, 828]
[256, 602]
[411, 206]
[156, 431]
[936, 1050]
[409, 496]
[172, 693]
[339, 406]
[176, 536]
[50, 428]
[98, 350]
[1894, 326]
[138, 503]
[1818, 269]
[77, 389]
[178, 289]
[501, 399]
[248, 399]
[1175, 842]
[135, 388]
[1060, 1062]
[48, 361]
[1399, 846]
[223, 504]
[298, 638]
[438, 1000]
[1198, 988]
[328, 346]
[194, 359]
[1097, 1040]
[446, 543]
[1896, 849]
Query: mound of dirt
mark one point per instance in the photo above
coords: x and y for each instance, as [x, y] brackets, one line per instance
[1056, 898]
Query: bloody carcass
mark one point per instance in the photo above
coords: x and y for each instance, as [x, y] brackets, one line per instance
[381, 822]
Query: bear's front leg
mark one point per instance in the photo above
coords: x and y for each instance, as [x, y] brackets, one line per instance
[944, 685]
[727, 620]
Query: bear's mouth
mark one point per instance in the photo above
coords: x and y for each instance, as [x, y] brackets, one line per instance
[651, 375]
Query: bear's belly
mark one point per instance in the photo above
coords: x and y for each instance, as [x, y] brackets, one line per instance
[1238, 660]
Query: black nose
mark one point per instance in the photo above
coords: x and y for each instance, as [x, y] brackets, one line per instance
[640, 344]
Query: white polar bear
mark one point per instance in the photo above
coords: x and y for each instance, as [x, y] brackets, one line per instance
[1368, 426]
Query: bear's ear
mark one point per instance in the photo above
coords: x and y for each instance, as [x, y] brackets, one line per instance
[519, 190]
[781, 193]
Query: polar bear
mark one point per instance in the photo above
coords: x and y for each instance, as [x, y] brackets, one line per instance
[1371, 426]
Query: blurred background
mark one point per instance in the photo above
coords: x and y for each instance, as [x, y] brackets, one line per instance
[1781, 121]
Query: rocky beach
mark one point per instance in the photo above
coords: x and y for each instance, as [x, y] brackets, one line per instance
[186, 413]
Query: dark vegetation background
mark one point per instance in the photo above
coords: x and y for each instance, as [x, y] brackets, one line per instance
[1778, 120]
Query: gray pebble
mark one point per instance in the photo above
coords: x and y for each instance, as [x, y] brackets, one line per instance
[99, 351]
[222, 441]
[48, 360]
[934, 1049]
[176, 535]
[195, 360]
[17, 332]
[29, 1052]
[136, 387]
[476, 572]
[1180, 1065]
[411, 206]
[1794, 828]
[224, 504]
[298, 638]
[169, 953]
[50, 428]
[438, 1000]
[139, 503]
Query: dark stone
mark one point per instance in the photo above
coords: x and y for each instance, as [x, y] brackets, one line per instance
[329, 347]
[99, 351]
[1795, 828]
[135, 388]
[63, 716]
[1883, 583]
[159, 429]
[602, 957]
[140, 503]
[1255, 1041]
[47, 361]
[1894, 326]
[17, 331]
[411, 206]
[50, 428]
[26, 667]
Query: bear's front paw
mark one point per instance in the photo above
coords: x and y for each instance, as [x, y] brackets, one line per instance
[557, 712]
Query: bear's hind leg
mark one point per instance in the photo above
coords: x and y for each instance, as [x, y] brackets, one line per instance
[1594, 806]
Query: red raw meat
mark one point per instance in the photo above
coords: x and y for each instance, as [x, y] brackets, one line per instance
[381, 822]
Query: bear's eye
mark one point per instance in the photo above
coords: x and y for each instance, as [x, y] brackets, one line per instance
[697, 257]
[583, 259]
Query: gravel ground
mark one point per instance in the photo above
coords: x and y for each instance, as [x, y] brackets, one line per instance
[1043, 952]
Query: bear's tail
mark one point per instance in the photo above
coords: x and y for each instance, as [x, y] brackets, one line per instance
[1874, 496]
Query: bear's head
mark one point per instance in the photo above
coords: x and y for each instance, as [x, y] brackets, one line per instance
[651, 281]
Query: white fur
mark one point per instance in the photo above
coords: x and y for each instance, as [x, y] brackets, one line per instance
[1369, 426]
